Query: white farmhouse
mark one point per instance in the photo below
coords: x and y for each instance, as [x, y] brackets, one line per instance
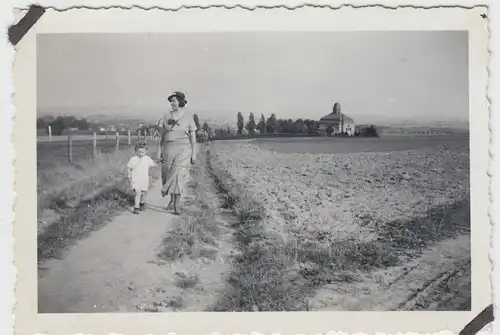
[340, 122]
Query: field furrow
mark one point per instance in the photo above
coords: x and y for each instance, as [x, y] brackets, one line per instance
[347, 225]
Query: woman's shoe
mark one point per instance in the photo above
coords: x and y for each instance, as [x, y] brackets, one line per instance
[136, 211]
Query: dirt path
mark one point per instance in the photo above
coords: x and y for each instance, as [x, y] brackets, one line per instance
[114, 269]
[120, 268]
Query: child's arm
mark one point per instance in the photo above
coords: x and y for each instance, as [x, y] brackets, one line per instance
[129, 169]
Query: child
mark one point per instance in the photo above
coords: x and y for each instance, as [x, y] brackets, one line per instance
[138, 174]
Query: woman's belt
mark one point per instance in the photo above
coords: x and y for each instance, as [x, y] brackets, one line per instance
[182, 140]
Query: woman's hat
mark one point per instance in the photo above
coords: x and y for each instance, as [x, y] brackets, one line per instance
[178, 95]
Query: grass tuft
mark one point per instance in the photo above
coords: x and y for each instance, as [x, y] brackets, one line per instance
[186, 283]
[439, 223]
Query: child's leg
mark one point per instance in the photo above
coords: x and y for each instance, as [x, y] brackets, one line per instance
[137, 200]
[143, 199]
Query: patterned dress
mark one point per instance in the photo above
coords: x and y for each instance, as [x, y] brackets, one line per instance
[176, 150]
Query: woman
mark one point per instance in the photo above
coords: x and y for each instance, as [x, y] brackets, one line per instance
[176, 149]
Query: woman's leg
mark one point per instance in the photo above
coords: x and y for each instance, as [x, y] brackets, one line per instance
[171, 203]
[165, 171]
[176, 203]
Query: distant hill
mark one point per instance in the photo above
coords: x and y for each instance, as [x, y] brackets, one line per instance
[106, 114]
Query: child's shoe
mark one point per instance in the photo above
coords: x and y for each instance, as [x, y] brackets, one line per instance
[136, 211]
[143, 207]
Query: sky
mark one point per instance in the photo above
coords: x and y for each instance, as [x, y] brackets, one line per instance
[373, 75]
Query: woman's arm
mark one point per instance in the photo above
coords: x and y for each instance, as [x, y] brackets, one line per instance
[159, 147]
[192, 140]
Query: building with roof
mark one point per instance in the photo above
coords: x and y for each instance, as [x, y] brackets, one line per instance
[340, 122]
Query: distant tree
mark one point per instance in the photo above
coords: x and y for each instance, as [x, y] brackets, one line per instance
[40, 123]
[282, 126]
[299, 125]
[271, 124]
[307, 125]
[329, 130]
[57, 127]
[369, 131]
[241, 122]
[69, 121]
[82, 124]
[196, 121]
[205, 127]
[251, 125]
[262, 124]
[279, 127]
[313, 126]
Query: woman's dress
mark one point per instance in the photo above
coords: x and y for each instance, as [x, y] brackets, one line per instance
[176, 151]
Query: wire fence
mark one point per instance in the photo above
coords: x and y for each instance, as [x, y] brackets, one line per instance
[71, 148]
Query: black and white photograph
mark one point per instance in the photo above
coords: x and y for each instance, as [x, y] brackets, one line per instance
[289, 171]
[267, 167]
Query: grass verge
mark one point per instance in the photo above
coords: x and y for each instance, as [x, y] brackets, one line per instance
[82, 198]
[67, 185]
[261, 278]
[196, 231]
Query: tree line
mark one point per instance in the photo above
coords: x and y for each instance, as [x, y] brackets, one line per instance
[271, 125]
[274, 125]
[60, 123]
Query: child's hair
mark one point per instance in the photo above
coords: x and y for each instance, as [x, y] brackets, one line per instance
[141, 145]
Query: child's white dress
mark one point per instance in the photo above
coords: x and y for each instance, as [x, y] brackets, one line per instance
[139, 172]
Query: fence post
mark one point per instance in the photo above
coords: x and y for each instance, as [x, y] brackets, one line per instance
[129, 139]
[50, 133]
[70, 147]
[117, 141]
[95, 143]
